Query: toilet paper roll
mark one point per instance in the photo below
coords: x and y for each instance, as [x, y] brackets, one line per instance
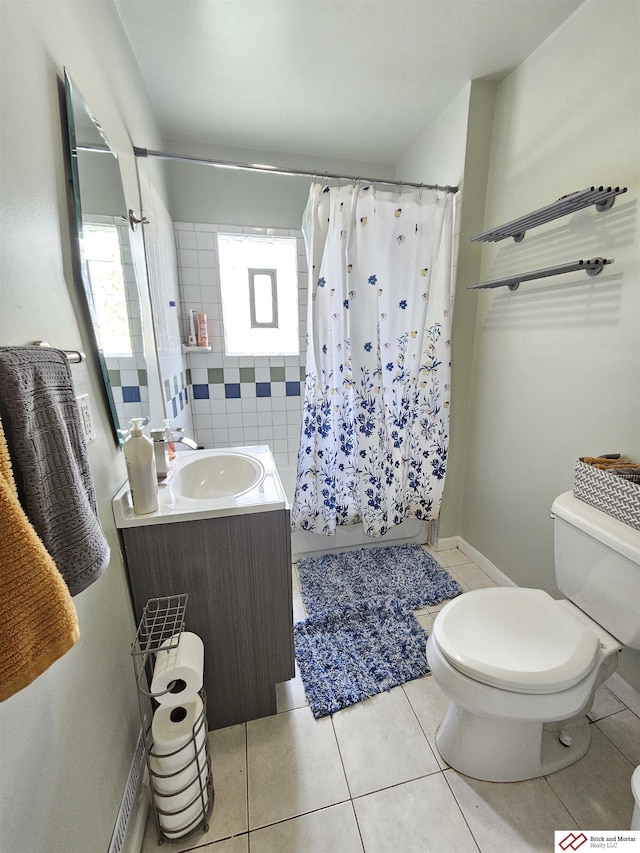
[182, 667]
[179, 814]
[174, 747]
[179, 770]
[177, 825]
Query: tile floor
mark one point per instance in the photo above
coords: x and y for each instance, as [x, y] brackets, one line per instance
[370, 778]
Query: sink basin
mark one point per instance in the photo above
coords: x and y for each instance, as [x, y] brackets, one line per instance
[214, 483]
[217, 475]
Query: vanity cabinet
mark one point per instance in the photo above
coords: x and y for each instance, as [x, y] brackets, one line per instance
[237, 573]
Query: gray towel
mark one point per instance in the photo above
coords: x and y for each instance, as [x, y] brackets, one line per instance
[47, 448]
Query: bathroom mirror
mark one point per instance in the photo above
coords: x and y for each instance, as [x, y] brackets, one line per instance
[108, 274]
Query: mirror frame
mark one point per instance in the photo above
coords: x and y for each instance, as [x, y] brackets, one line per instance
[72, 96]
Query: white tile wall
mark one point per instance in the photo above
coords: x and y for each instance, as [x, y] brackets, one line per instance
[163, 257]
[219, 420]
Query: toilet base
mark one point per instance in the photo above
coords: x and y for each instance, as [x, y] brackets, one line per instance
[498, 750]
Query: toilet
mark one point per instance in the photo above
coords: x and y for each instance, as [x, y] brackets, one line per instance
[635, 790]
[520, 669]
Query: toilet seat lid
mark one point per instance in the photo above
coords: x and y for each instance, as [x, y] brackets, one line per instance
[516, 639]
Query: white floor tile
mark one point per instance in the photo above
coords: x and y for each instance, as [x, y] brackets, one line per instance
[229, 817]
[597, 789]
[294, 767]
[426, 621]
[623, 730]
[624, 692]
[452, 557]
[290, 694]
[299, 612]
[239, 844]
[421, 816]
[471, 576]
[510, 816]
[429, 704]
[381, 743]
[229, 771]
[605, 703]
[330, 830]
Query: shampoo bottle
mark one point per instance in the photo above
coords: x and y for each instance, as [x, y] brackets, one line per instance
[202, 333]
[141, 469]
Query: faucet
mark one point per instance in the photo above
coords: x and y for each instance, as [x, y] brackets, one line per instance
[176, 437]
[160, 453]
[188, 442]
[160, 439]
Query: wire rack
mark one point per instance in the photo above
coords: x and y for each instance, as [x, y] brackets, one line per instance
[602, 197]
[161, 626]
[163, 619]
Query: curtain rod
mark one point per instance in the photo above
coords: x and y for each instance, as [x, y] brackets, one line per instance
[225, 164]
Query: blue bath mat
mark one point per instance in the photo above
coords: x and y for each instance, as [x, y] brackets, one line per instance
[358, 651]
[360, 637]
[405, 572]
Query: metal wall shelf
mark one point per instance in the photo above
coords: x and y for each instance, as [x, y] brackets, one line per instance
[591, 267]
[602, 197]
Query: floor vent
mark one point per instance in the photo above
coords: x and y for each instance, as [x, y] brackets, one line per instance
[128, 799]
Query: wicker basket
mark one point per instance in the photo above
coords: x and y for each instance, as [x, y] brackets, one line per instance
[617, 495]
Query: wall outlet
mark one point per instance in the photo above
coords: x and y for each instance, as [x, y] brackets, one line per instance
[85, 417]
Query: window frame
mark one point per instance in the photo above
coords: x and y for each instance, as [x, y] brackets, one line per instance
[273, 276]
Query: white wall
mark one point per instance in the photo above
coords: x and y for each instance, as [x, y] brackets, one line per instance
[203, 194]
[66, 740]
[556, 364]
[455, 150]
[438, 156]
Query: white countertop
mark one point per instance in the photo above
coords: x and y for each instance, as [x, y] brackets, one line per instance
[267, 496]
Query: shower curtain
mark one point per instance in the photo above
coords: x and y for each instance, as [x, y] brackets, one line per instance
[375, 427]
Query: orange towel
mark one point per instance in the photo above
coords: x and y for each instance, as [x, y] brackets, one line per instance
[38, 621]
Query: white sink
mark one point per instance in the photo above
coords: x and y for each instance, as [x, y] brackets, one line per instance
[218, 474]
[210, 484]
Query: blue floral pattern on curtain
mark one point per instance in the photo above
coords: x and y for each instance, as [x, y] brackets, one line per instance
[375, 428]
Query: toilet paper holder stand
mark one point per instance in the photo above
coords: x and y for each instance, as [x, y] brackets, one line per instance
[161, 625]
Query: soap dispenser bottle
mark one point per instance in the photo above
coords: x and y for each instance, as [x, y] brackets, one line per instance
[141, 469]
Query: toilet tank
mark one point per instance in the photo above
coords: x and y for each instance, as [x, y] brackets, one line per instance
[597, 561]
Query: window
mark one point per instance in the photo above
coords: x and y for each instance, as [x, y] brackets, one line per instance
[259, 285]
[101, 251]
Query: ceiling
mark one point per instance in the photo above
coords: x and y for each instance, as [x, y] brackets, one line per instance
[358, 79]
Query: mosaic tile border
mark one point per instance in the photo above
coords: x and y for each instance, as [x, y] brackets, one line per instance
[238, 390]
[176, 392]
[131, 391]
